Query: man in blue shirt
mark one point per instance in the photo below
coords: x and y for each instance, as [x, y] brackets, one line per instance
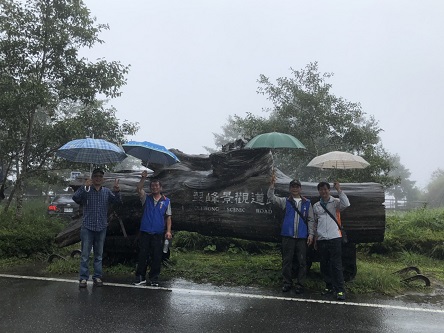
[95, 200]
[154, 228]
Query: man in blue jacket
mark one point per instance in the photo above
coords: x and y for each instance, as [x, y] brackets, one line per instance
[154, 228]
[297, 233]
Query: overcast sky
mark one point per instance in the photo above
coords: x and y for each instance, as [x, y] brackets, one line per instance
[195, 62]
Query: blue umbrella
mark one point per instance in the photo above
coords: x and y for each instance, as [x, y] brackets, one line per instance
[93, 151]
[150, 152]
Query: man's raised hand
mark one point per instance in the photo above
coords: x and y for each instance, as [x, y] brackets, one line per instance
[116, 187]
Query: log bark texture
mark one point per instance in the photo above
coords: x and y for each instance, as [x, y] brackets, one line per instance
[225, 194]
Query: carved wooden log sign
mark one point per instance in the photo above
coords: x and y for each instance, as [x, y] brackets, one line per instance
[225, 194]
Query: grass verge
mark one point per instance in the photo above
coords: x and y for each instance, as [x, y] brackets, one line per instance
[375, 272]
[412, 239]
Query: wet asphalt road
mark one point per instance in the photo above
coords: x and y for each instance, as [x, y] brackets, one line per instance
[56, 305]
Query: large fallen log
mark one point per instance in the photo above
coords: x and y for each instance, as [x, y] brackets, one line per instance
[224, 194]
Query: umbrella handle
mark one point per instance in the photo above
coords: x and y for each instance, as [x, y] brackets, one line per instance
[87, 188]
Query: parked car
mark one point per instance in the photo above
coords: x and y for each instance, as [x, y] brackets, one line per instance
[62, 205]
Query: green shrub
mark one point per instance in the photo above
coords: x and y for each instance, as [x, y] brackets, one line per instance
[438, 252]
[190, 240]
[194, 241]
[420, 231]
[33, 234]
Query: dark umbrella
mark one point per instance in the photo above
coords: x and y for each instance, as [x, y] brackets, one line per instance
[150, 152]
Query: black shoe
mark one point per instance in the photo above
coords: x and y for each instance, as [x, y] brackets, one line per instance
[154, 283]
[340, 296]
[97, 282]
[140, 281]
[327, 291]
[299, 289]
[82, 283]
[286, 288]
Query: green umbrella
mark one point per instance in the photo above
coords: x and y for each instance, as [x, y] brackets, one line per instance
[274, 140]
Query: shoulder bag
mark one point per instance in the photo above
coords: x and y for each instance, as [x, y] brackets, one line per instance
[344, 235]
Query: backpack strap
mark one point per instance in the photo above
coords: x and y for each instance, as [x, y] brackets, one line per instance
[331, 215]
[297, 210]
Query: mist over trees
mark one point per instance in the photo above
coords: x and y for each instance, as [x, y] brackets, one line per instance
[435, 190]
[49, 95]
[305, 107]
[404, 189]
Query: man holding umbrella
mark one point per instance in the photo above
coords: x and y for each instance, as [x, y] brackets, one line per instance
[297, 233]
[329, 237]
[95, 200]
[154, 228]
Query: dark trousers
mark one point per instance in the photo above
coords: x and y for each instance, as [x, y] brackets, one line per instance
[150, 249]
[294, 259]
[331, 263]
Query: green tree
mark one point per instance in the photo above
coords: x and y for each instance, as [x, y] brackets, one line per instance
[75, 121]
[69, 123]
[304, 107]
[40, 69]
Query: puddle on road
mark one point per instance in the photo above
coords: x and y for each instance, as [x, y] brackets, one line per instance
[433, 299]
[184, 284]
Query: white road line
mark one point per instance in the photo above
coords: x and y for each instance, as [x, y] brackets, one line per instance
[232, 294]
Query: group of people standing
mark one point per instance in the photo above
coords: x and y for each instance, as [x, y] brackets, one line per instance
[317, 225]
[304, 225]
[155, 227]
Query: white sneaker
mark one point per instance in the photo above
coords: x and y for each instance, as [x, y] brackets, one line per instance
[140, 281]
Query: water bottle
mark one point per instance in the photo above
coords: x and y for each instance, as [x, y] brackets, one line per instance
[165, 246]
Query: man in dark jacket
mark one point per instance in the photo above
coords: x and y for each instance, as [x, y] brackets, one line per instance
[297, 233]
